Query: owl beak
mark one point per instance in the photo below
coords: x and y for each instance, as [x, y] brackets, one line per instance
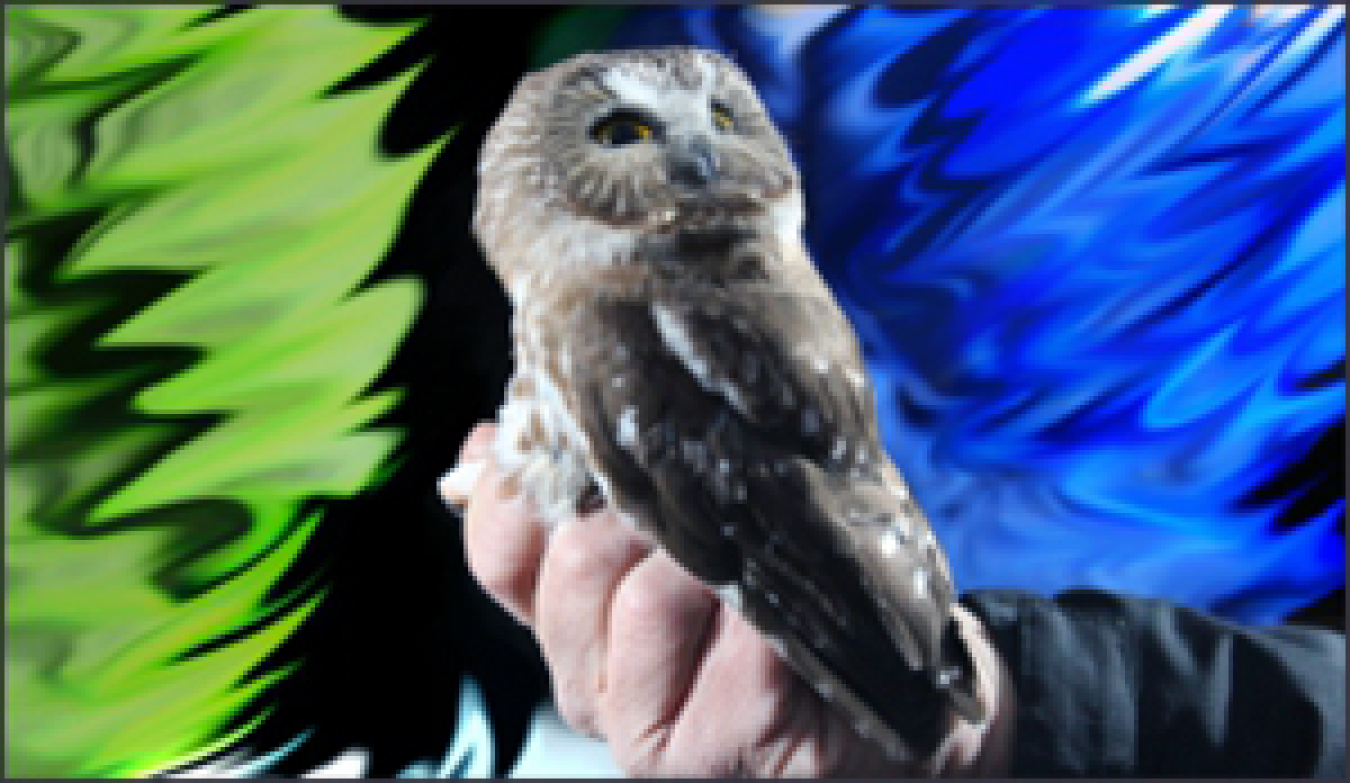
[693, 164]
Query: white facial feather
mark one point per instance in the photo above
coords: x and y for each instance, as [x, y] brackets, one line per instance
[632, 88]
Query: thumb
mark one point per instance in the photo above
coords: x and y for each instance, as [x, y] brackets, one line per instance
[456, 486]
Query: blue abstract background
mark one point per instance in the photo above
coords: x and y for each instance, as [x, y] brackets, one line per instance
[1096, 257]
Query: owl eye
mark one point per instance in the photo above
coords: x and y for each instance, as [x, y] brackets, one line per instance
[622, 128]
[722, 117]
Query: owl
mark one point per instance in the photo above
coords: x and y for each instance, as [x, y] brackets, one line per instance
[678, 358]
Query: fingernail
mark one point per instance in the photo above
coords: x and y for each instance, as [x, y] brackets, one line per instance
[457, 485]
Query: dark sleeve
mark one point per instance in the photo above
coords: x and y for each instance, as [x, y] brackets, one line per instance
[1110, 686]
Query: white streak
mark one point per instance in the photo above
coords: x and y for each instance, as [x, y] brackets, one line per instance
[708, 75]
[628, 427]
[678, 339]
[1182, 37]
[921, 582]
[631, 88]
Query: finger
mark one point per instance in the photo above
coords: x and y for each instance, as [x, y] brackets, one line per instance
[738, 712]
[660, 624]
[586, 560]
[985, 750]
[478, 442]
[504, 542]
[457, 485]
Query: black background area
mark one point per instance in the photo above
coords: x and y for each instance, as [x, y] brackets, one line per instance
[381, 659]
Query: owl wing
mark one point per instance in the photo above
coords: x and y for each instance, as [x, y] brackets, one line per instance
[731, 424]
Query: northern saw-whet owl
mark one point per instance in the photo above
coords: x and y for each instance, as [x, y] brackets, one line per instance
[679, 358]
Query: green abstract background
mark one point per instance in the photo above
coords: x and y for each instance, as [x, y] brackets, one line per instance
[202, 316]
[201, 222]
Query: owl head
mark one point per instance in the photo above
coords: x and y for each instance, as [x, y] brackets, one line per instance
[654, 139]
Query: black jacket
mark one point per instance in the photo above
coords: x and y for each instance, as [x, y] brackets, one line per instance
[1110, 686]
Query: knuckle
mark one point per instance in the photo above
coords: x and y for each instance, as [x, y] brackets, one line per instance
[658, 591]
[586, 549]
[570, 557]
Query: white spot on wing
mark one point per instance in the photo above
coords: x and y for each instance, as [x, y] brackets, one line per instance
[890, 543]
[921, 582]
[825, 689]
[628, 427]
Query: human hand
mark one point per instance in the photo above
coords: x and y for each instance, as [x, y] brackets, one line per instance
[646, 657]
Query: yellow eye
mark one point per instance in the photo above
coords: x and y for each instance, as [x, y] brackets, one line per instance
[620, 129]
[722, 118]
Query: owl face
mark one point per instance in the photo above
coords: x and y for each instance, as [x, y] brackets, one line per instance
[670, 138]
